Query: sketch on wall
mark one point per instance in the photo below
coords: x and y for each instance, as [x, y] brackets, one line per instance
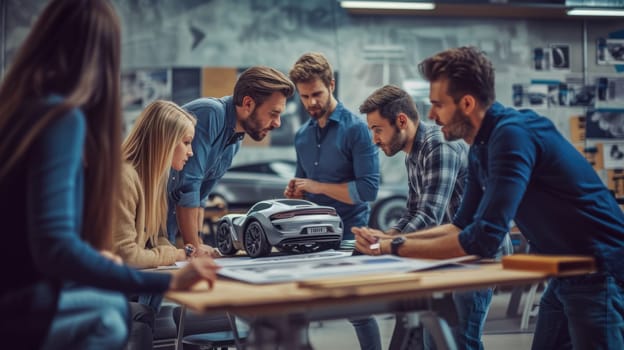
[613, 155]
[560, 55]
[605, 124]
[609, 51]
[141, 86]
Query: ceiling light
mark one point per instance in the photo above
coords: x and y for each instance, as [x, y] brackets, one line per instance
[387, 5]
[595, 12]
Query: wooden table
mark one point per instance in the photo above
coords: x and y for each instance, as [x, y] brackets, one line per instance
[279, 314]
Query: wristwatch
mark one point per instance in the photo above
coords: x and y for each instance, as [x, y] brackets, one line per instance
[189, 249]
[395, 244]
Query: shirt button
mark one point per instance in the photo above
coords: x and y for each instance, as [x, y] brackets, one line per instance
[315, 163]
[319, 145]
[483, 188]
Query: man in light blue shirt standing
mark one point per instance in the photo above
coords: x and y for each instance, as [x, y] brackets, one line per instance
[337, 165]
[258, 101]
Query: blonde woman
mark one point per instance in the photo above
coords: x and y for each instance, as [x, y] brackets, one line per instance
[160, 140]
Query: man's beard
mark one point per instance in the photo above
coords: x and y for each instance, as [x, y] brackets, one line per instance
[458, 128]
[397, 143]
[320, 111]
[252, 127]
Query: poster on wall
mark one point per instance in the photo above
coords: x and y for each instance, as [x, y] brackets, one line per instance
[613, 155]
[560, 54]
[609, 51]
[605, 124]
[141, 86]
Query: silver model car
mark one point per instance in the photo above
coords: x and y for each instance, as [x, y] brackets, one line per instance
[290, 225]
[246, 184]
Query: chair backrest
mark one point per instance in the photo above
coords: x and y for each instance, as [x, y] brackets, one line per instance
[200, 331]
[195, 323]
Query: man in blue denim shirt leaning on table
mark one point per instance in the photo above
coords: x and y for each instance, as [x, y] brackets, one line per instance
[258, 101]
[522, 169]
[437, 171]
[337, 165]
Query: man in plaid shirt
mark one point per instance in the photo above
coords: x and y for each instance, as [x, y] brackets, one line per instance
[437, 171]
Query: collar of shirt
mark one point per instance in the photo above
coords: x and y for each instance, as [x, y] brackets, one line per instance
[488, 124]
[419, 138]
[230, 122]
[236, 137]
[334, 116]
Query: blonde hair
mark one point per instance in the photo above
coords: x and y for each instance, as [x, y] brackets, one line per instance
[149, 147]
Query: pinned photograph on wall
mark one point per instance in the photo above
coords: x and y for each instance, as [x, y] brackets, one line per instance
[560, 56]
[141, 86]
[613, 155]
[605, 123]
[541, 58]
[609, 51]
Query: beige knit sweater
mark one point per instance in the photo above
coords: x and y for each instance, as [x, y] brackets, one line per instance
[130, 241]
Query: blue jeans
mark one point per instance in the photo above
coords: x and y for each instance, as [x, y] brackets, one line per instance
[367, 332]
[581, 312]
[154, 301]
[89, 318]
[472, 308]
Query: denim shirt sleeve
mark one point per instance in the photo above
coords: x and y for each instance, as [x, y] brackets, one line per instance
[191, 187]
[365, 166]
[512, 153]
[55, 199]
[471, 197]
[439, 174]
[299, 172]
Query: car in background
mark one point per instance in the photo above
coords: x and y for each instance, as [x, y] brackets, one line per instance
[290, 225]
[244, 185]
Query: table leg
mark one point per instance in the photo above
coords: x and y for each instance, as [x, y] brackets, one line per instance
[409, 329]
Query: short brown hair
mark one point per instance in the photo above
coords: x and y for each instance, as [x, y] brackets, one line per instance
[259, 83]
[390, 100]
[468, 71]
[311, 66]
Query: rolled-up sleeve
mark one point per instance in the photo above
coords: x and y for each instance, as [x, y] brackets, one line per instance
[511, 158]
[365, 166]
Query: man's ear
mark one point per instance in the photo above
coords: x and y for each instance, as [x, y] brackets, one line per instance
[249, 104]
[467, 104]
[401, 121]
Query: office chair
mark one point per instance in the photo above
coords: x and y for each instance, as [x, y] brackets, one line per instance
[207, 331]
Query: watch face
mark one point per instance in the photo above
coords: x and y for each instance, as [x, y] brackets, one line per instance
[398, 240]
[396, 243]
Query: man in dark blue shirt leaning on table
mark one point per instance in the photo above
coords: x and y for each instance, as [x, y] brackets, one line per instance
[522, 169]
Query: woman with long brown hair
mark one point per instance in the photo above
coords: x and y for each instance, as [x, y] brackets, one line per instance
[59, 170]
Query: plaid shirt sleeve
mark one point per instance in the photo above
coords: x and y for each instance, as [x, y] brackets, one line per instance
[432, 175]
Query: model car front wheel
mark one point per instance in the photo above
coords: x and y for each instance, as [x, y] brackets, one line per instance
[255, 241]
[224, 239]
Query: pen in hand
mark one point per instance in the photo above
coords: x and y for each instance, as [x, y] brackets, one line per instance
[376, 245]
